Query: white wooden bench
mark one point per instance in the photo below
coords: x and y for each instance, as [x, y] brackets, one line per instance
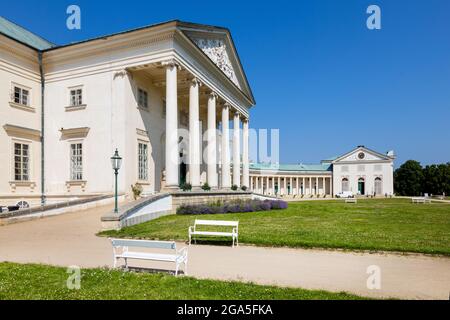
[420, 200]
[121, 251]
[351, 200]
[233, 234]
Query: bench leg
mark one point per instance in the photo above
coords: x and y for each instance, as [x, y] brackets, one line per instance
[176, 269]
[126, 264]
[186, 267]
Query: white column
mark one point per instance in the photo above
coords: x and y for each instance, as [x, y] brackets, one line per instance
[279, 185]
[236, 151]
[245, 161]
[317, 185]
[212, 142]
[226, 173]
[172, 156]
[194, 134]
[304, 186]
[310, 185]
[331, 186]
[291, 185]
[273, 186]
[257, 184]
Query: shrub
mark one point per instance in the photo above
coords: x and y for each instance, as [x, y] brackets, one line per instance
[186, 187]
[137, 190]
[234, 187]
[233, 207]
[206, 187]
[244, 188]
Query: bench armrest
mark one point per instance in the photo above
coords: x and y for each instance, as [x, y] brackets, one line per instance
[183, 252]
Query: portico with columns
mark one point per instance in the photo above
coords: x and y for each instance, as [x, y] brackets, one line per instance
[209, 157]
[206, 106]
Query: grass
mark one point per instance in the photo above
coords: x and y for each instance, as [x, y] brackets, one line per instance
[39, 282]
[379, 225]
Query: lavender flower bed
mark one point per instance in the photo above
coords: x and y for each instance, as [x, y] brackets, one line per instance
[233, 207]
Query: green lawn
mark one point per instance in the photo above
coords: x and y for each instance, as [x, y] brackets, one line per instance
[38, 282]
[385, 224]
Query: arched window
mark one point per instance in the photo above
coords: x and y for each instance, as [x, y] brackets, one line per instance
[345, 185]
[378, 186]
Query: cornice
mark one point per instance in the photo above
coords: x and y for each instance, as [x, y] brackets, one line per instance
[142, 40]
[74, 133]
[22, 132]
[18, 50]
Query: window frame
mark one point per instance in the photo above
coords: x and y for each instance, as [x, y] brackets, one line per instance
[21, 142]
[81, 103]
[146, 95]
[22, 88]
[145, 166]
[72, 174]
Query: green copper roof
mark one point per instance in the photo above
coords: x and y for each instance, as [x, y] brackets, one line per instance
[20, 34]
[291, 167]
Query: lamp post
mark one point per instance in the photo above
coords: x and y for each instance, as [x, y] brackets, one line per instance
[116, 162]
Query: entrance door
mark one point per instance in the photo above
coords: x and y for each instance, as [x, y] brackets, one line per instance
[361, 186]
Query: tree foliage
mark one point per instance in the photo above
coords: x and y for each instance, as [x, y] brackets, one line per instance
[411, 179]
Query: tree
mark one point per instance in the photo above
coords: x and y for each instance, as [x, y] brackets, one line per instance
[408, 179]
[437, 179]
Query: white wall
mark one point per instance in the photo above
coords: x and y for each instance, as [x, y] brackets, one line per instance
[18, 65]
[372, 170]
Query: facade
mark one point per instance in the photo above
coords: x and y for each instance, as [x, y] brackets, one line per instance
[66, 109]
[361, 171]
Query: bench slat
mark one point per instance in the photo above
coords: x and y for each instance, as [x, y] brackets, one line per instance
[211, 233]
[148, 256]
[143, 244]
[217, 223]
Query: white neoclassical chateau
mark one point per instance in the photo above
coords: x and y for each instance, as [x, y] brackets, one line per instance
[65, 109]
[361, 171]
[164, 97]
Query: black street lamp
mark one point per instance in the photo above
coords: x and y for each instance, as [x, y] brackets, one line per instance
[116, 162]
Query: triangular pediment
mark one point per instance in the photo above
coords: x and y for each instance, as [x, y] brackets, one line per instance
[218, 45]
[361, 154]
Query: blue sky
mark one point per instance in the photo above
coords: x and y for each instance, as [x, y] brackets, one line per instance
[318, 74]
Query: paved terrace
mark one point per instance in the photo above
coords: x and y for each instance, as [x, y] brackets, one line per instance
[70, 240]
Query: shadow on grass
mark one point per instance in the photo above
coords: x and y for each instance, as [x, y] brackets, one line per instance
[149, 270]
[211, 242]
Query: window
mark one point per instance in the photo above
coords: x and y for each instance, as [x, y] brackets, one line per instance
[76, 97]
[21, 162]
[21, 96]
[378, 186]
[142, 98]
[345, 185]
[76, 162]
[142, 162]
